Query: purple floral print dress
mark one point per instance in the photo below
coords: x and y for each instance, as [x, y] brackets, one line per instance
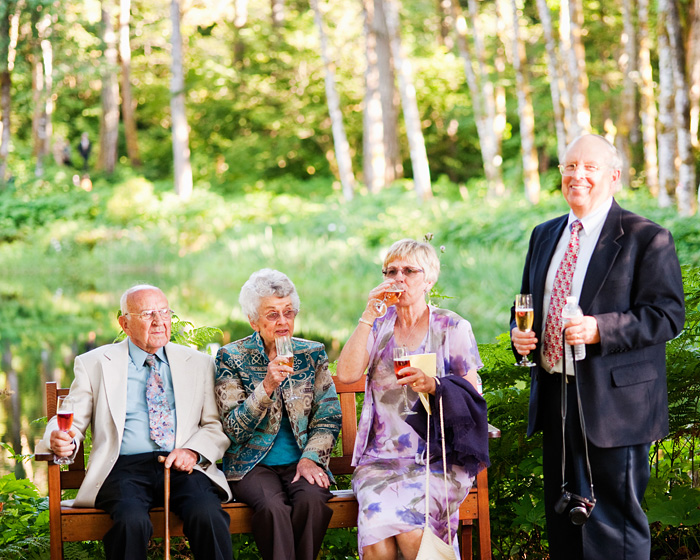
[389, 479]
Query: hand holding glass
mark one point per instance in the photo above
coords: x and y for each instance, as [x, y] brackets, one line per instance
[524, 316]
[64, 417]
[389, 297]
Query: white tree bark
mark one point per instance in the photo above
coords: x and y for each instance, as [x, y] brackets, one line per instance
[109, 124]
[648, 99]
[694, 72]
[43, 91]
[685, 191]
[667, 134]
[627, 125]
[574, 56]
[404, 72]
[557, 88]
[182, 167]
[526, 112]
[128, 103]
[340, 140]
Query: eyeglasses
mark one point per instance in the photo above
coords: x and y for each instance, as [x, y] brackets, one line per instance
[151, 314]
[587, 169]
[274, 316]
[408, 271]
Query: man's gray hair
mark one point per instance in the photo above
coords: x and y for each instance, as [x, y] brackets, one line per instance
[266, 283]
[134, 289]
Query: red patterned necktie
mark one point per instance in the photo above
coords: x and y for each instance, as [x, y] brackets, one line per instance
[561, 289]
[160, 415]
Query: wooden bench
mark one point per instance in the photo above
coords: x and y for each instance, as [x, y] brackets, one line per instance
[69, 524]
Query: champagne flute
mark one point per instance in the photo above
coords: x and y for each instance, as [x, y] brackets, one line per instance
[524, 316]
[64, 417]
[286, 355]
[401, 360]
[390, 297]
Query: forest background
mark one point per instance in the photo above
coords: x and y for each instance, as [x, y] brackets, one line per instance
[228, 135]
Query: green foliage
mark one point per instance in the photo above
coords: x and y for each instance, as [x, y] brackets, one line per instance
[24, 519]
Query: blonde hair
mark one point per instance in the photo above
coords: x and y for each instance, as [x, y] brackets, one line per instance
[420, 252]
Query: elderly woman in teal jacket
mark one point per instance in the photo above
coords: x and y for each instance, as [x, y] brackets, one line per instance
[282, 422]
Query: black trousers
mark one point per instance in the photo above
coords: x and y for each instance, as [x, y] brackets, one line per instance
[617, 527]
[135, 485]
[290, 519]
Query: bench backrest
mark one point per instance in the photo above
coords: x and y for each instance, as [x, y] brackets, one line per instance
[73, 477]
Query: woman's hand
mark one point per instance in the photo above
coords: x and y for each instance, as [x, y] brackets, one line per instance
[277, 372]
[370, 312]
[312, 473]
[419, 381]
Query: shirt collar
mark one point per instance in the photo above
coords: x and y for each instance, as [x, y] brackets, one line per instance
[138, 356]
[593, 220]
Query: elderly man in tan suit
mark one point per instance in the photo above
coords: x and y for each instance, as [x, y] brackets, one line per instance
[122, 389]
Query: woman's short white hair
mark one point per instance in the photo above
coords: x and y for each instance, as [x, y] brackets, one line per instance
[266, 282]
[421, 253]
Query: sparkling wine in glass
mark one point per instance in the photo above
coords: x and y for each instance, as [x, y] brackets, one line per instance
[401, 360]
[524, 316]
[286, 356]
[389, 297]
[64, 417]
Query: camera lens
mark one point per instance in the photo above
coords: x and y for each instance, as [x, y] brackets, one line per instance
[578, 515]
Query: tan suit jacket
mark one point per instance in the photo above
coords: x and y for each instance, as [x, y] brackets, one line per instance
[99, 389]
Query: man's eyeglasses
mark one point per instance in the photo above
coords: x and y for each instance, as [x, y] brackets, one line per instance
[274, 316]
[408, 271]
[587, 169]
[151, 314]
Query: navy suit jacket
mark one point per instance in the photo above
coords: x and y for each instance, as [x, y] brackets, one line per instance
[634, 289]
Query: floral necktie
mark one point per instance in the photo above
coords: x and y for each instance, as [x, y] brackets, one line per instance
[160, 416]
[561, 289]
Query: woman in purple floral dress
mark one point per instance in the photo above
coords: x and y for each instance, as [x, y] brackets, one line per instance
[389, 480]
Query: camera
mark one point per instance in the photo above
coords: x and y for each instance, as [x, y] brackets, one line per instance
[579, 508]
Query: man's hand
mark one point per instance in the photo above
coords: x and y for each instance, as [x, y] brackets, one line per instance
[312, 473]
[182, 460]
[524, 342]
[62, 443]
[582, 330]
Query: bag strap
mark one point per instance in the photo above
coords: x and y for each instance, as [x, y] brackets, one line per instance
[444, 468]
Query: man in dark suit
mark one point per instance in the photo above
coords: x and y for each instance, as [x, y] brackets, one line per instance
[628, 280]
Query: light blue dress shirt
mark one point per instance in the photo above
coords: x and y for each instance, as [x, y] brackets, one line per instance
[136, 438]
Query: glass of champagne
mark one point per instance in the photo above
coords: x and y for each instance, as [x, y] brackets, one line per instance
[389, 297]
[286, 355]
[524, 316]
[401, 360]
[64, 417]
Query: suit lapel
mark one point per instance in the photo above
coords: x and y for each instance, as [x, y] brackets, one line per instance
[603, 257]
[182, 384]
[115, 363]
[542, 257]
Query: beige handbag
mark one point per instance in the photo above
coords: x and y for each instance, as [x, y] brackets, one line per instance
[433, 547]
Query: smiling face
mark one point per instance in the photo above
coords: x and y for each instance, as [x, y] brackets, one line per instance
[586, 193]
[147, 334]
[279, 325]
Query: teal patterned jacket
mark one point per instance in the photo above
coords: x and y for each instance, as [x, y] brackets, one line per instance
[251, 419]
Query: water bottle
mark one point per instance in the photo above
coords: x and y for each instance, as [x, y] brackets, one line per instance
[479, 386]
[571, 310]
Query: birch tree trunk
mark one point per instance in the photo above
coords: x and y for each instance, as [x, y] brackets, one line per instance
[648, 100]
[416, 142]
[685, 191]
[667, 134]
[557, 88]
[9, 24]
[42, 91]
[574, 56]
[340, 140]
[109, 124]
[694, 72]
[240, 19]
[483, 107]
[627, 126]
[526, 112]
[128, 104]
[381, 162]
[182, 168]
[277, 7]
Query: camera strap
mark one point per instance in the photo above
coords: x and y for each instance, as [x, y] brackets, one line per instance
[564, 383]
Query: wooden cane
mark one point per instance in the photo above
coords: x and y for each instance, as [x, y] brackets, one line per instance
[166, 507]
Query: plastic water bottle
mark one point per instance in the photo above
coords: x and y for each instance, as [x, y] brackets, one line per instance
[571, 310]
[479, 386]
